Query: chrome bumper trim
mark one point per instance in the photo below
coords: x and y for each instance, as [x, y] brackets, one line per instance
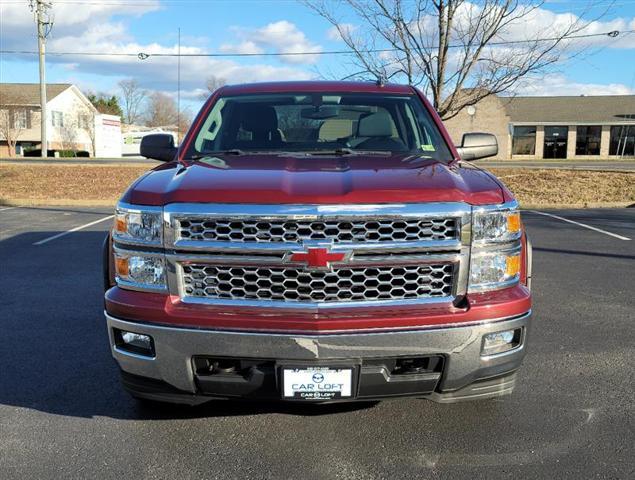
[459, 343]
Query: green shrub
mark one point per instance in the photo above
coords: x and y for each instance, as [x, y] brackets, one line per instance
[67, 153]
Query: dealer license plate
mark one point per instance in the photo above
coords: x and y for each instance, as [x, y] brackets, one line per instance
[317, 383]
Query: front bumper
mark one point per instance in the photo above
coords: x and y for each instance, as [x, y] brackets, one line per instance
[465, 374]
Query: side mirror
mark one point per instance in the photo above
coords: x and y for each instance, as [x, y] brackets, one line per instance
[158, 146]
[477, 145]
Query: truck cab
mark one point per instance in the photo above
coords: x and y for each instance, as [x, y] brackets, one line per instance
[317, 242]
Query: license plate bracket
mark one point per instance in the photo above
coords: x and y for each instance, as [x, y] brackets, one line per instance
[317, 382]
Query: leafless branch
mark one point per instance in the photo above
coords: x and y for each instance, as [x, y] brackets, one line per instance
[10, 130]
[212, 84]
[457, 51]
[132, 99]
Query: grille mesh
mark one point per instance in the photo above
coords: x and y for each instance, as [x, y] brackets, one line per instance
[294, 284]
[288, 230]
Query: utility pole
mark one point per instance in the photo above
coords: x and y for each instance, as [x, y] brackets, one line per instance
[43, 29]
[178, 92]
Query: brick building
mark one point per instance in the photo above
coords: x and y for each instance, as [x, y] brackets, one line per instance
[528, 128]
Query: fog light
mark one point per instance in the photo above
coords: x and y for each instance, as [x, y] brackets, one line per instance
[499, 342]
[134, 342]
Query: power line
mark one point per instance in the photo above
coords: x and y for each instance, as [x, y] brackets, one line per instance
[149, 3]
[144, 55]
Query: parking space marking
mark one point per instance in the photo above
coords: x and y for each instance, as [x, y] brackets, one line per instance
[81, 227]
[7, 208]
[584, 225]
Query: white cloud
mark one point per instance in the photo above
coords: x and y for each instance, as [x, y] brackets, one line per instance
[535, 23]
[530, 23]
[18, 26]
[242, 47]
[545, 23]
[94, 27]
[283, 37]
[91, 28]
[559, 84]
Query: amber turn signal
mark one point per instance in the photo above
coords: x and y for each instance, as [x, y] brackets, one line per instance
[513, 222]
[120, 224]
[121, 266]
[512, 266]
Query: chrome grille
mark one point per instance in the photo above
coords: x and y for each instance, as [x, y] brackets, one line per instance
[300, 285]
[353, 230]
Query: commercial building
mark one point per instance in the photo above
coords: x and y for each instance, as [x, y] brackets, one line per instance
[564, 127]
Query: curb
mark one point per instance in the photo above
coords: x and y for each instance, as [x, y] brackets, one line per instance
[46, 163]
[539, 206]
[58, 202]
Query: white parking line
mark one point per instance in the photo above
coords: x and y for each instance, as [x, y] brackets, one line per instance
[580, 224]
[81, 227]
[7, 208]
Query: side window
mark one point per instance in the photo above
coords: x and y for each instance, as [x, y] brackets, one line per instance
[430, 139]
[20, 118]
[57, 119]
[419, 136]
[210, 130]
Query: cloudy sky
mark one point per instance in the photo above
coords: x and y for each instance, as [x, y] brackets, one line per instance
[600, 66]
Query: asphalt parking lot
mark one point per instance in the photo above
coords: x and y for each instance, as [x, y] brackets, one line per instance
[63, 414]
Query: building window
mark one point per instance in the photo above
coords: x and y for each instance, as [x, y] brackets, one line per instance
[57, 119]
[622, 141]
[524, 141]
[588, 140]
[20, 119]
[83, 120]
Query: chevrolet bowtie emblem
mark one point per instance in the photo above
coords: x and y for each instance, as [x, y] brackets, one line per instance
[318, 258]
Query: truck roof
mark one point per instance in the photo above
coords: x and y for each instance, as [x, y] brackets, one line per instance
[316, 86]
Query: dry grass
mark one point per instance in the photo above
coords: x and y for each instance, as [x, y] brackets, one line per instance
[104, 184]
[38, 183]
[568, 187]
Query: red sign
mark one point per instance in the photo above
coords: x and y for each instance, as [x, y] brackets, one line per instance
[319, 258]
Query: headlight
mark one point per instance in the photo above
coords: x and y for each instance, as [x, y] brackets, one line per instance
[138, 226]
[140, 271]
[490, 225]
[494, 270]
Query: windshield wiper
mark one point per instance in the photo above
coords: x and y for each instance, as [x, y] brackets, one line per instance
[231, 151]
[348, 151]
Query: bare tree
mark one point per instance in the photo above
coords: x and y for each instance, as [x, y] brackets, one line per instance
[162, 110]
[89, 127]
[185, 120]
[458, 52]
[68, 133]
[132, 99]
[212, 84]
[10, 130]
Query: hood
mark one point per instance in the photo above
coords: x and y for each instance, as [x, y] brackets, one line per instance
[278, 179]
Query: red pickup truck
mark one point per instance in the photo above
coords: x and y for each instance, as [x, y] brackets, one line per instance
[317, 241]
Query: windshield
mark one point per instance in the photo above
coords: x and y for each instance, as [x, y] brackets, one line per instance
[319, 124]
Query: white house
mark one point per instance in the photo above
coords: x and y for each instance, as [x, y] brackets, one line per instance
[73, 123]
